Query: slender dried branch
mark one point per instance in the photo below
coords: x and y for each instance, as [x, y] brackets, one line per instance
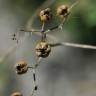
[33, 92]
[44, 31]
[26, 30]
[73, 45]
[74, 4]
[34, 82]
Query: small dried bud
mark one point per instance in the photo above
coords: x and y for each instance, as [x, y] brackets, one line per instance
[21, 67]
[45, 15]
[62, 11]
[43, 49]
[16, 94]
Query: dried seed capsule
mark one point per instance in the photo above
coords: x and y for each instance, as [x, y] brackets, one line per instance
[63, 11]
[16, 94]
[21, 67]
[45, 15]
[43, 49]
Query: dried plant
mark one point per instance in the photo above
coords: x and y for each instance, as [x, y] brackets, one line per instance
[43, 48]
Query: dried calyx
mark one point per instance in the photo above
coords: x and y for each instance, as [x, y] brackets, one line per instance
[43, 49]
[16, 94]
[63, 11]
[45, 15]
[21, 67]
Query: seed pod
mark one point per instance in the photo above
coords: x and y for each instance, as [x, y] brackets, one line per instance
[16, 94]
[43, 49]
[63, 11]
[21, 67]
[45, 15]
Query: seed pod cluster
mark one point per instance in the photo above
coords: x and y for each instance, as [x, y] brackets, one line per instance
[21, 67]
[45, 15]
[63, 11]
[43, 49]
[16, 94]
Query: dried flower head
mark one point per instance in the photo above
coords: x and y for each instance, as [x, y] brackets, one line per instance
[16, 94]
[45, 15]
[21, 67]
[43, 49]
[63, 11]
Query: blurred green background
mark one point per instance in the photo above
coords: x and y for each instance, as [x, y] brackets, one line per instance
[79, 64]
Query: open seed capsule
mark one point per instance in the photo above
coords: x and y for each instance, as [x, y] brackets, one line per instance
[16, 94]
[43, 49]
[21, 67]
[45, 15]
[63, 11]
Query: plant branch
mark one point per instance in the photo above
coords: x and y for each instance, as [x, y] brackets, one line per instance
[74, 45]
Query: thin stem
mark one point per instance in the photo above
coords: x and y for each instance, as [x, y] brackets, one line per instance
[43, 25]
[37, 32]
[57, 26]
[74, 4]
[74, 45]
[33, 91]
[62, 23]
[32, 30]
[37, 62]
[34, 82]
[51, 29]
[42, 32]
[34, 76]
